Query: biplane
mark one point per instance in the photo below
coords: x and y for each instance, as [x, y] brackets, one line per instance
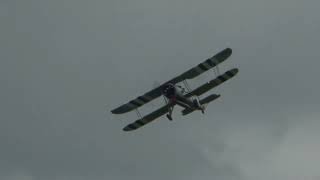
[175, 94]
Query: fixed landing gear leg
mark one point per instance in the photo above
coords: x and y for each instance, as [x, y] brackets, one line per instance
[169, 115]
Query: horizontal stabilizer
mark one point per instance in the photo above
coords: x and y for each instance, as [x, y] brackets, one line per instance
[206, 100]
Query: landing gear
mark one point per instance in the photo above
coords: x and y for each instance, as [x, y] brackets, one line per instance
[196, 102]
[170, 108]
[169, 115]
[199, 106]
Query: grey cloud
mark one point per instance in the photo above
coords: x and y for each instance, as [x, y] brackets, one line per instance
[65, 64]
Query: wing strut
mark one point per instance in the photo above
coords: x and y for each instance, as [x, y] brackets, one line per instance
[216, 71]
[138, 113]
[185, 82]
[187, 85]
[165, 100]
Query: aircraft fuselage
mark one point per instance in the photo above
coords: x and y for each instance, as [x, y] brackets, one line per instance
[175, 96]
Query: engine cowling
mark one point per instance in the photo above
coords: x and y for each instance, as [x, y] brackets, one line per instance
[169, 90]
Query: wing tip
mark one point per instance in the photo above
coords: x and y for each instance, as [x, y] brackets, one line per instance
[223, 55]
[115, 112]
[228, 49]
[127, 129]
[120, 110]
[234, 71]
[131, 127]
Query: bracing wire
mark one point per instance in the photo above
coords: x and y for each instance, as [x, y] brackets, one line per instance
[138, 113]
[187, 85]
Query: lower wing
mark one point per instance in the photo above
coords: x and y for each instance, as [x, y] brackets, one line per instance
[147, 119]
[213, 83]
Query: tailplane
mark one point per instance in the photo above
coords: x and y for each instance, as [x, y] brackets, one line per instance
[203, 103]
[210, 98]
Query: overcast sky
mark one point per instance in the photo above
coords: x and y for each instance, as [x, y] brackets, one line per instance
[65, 64]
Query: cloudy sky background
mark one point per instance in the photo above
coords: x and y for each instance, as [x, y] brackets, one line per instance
[66, 63]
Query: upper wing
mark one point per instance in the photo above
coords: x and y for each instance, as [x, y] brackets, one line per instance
[147, 119]
[207, 64]
[213, 83]
[141, 100]
[191, 73]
